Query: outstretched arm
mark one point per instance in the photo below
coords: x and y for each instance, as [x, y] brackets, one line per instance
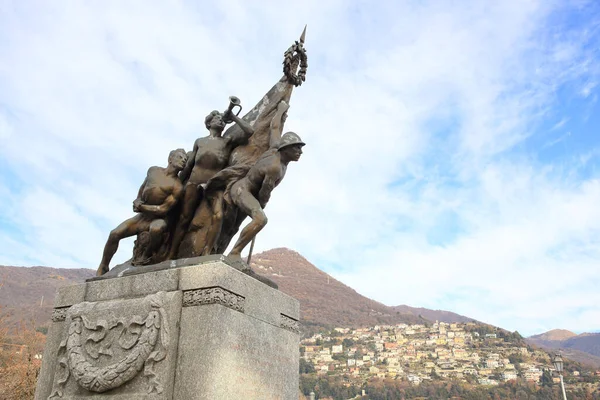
[189, 165]
[277, 124]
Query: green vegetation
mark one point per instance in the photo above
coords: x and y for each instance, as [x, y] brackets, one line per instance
[388, 389]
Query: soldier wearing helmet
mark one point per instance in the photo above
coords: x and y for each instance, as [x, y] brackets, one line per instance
[252, 192]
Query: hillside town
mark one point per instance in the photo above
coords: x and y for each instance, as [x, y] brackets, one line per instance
[470, 352]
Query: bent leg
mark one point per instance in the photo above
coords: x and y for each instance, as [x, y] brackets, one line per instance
[128, 228]
[156, 230]
[191, 196]
[216, 202]
[248, 204]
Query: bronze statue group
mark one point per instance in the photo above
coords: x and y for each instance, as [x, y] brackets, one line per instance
[196, 205]
[181, 209]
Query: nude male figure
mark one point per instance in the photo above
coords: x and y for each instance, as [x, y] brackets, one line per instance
[159, 193]
[209, 156]
[252, 192]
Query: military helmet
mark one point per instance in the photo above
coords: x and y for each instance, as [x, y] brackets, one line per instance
[289, 139]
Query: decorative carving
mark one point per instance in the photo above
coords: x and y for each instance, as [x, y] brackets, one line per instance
[59, 314]
[296, 56]
[289, 323]
[213, 295]
[143, 340]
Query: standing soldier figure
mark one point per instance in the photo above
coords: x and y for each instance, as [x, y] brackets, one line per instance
[252, 192]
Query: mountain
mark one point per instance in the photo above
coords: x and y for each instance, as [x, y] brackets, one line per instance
[554, 335]
[27, 293]
[588, 342]
[584, 348]
[327, 302]
[561, 339]
[324, 301]
[434, 315]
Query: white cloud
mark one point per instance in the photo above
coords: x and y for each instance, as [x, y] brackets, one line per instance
[416, 182]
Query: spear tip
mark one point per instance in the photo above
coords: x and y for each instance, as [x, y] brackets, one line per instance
[303, 36]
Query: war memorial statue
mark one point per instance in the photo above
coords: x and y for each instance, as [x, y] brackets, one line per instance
[180, 319]
[227, 177]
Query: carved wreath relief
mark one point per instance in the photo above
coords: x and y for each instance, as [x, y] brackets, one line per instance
[96, 338]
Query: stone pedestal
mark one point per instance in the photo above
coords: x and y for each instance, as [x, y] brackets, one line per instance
[204, 331]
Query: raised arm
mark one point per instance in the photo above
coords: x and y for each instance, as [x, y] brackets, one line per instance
[277, 124]
[248, 130]
[242, 137]
[189, 165]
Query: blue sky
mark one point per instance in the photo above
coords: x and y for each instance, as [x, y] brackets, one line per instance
[452, 156]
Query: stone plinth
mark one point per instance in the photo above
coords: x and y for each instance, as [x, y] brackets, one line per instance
[205, 331]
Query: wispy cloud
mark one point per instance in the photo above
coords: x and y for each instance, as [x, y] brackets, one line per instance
[416, 185]
[557, 140]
